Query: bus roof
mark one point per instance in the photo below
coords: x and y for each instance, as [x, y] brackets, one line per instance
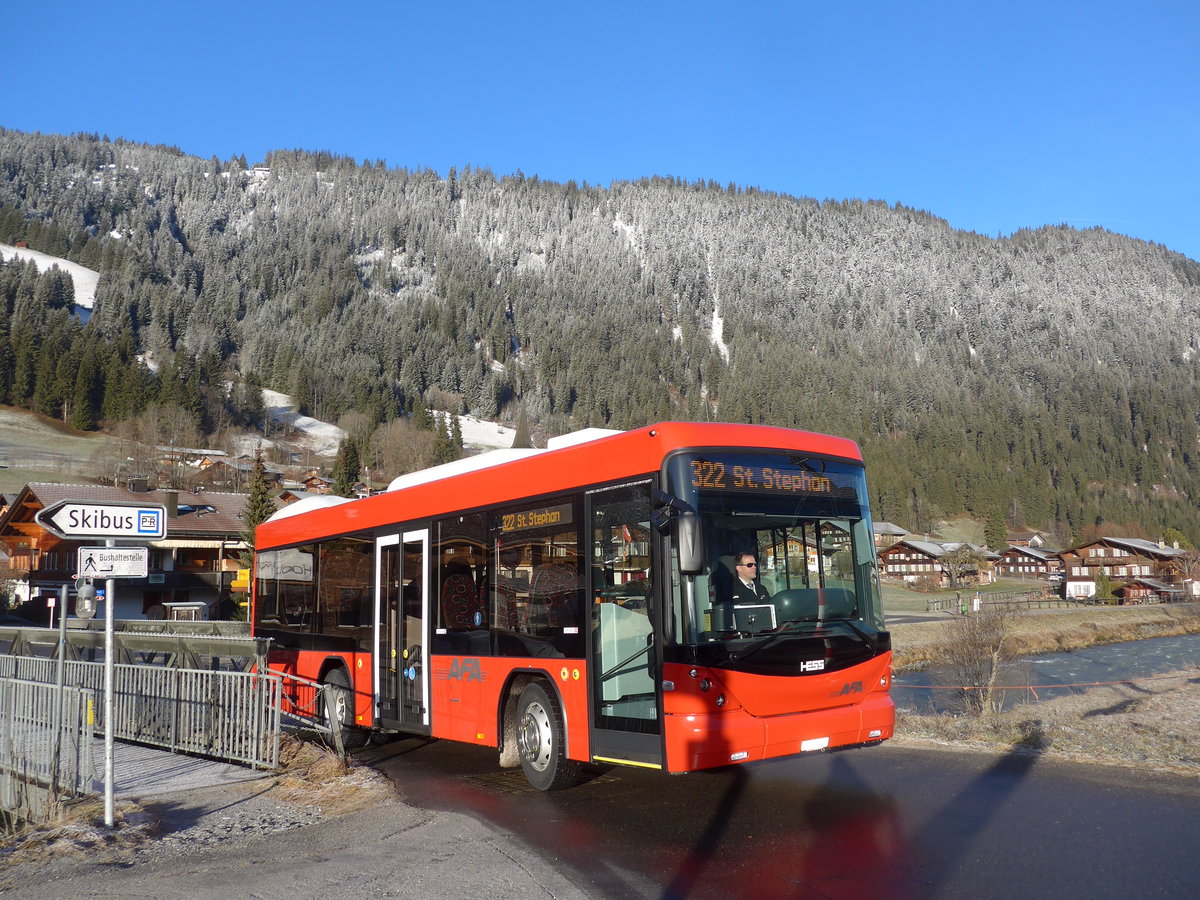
[589, 457]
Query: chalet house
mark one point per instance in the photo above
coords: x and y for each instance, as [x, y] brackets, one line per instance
[913, 560]
[291, 494]
[1147, 590]
[193, 564]
[886, 534]
[315, 483]
[1039, 540]
[1029, 562]
[1125, 562]
[233, 474]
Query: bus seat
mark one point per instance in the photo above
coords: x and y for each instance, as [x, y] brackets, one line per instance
[554, 587]
[459, 602]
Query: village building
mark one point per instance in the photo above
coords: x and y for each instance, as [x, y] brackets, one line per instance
[1028, 562]
[1039, 540]
[192, 566]
[886, 534]
[913, 560]
[1132, 567]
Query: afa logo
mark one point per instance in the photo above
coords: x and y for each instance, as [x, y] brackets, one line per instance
[466, 669]
[850, 687]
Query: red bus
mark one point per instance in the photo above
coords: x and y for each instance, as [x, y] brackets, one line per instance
[576, 604]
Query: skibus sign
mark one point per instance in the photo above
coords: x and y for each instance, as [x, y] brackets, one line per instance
[76, 519]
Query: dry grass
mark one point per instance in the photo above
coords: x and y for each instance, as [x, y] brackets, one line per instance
[1153, 722]
[314, 774]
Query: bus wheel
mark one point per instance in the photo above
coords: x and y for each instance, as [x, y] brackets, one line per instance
[540, 741]
[337, 684]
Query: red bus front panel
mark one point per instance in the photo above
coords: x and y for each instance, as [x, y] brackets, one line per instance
[716, 717]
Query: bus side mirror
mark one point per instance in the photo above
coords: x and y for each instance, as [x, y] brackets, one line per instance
[85, 599]
[691, 544]
[688, 536]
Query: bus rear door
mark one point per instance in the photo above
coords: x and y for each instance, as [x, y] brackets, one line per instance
[403, 604]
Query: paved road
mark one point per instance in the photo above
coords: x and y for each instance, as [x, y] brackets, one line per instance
[891, 822]
[894, 822]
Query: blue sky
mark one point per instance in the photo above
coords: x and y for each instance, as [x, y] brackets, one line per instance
[995, 116]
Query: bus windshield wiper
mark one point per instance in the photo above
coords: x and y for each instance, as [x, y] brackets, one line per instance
[871, 642]
[779, 632]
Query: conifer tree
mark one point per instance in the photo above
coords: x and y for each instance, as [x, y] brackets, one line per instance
[346, 468]
[259, 507]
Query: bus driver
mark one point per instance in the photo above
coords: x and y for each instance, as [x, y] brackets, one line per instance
[746, 587]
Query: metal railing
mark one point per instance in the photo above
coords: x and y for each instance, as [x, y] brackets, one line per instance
[955, 602]
[233, 716]
[45, 747]
[187, 645]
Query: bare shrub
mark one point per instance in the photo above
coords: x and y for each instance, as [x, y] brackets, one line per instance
[927, 584]
[972, 652]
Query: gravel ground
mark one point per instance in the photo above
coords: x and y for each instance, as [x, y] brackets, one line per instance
[313, 787]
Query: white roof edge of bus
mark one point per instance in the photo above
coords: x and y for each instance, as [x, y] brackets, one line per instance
[579, 437]
[459, 467]
[495, 458]
[307, 505]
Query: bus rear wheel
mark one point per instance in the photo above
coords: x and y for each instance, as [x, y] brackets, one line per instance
[341, 704]
[541, 741]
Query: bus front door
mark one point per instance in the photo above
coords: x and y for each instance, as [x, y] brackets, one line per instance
[404, 612]
[626, 721]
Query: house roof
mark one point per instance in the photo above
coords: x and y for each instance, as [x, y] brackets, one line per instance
[1155, 585]
[888, 528]
[929, 548]
[1043, 555]
[1149, 548]
[208, 514]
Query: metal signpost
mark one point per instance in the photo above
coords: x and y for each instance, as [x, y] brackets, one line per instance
[75, 520]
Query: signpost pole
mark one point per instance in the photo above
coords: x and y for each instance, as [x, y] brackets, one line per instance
[60, 681]
[78, 519]
[109, 673]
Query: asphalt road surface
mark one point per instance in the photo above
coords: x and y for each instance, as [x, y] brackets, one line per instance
[890, 821]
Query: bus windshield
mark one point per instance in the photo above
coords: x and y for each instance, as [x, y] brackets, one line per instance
[787, 548]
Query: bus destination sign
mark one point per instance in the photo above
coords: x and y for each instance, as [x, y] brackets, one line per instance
[543, 517]
[715, 475]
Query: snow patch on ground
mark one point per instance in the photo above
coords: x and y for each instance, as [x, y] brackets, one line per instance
[85, 279]
[319, 437]
[482, 435]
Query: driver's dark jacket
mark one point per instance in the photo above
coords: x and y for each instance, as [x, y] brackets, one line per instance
[752, 593]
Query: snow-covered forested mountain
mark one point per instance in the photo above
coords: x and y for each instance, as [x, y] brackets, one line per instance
[1049, 377]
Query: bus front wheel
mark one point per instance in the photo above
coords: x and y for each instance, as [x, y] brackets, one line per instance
[541, 743]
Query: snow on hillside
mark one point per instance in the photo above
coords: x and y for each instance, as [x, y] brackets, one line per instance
[319, 437]
[480, 435]
[85, 279]
[323, 438]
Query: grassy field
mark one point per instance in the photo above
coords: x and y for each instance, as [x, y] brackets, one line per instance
[36, 448]
[897, 598]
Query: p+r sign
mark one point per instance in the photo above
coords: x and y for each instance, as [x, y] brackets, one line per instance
[75, 519]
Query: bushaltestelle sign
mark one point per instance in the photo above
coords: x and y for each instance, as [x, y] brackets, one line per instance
[113, 562]
[76, 519]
